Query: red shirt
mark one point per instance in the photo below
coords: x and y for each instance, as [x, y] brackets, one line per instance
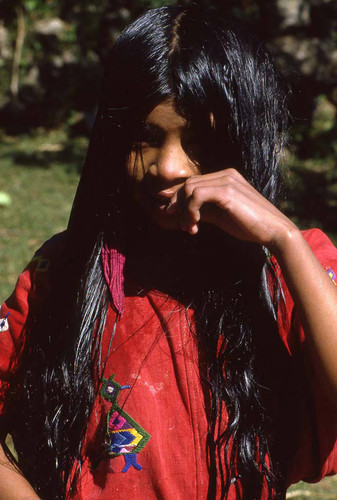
[154, 352]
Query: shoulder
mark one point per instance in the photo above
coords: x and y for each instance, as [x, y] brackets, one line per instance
[39, 267]
[290, 329]
[51, 249]
[33, 285]
[28, 297]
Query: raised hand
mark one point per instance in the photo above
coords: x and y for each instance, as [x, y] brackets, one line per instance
[227, 200]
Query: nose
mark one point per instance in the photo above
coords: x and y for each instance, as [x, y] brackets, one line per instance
[171, 164]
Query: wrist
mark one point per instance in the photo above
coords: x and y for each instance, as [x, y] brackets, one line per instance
[286, 241]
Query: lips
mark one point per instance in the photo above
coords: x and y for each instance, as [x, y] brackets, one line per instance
[155, 204]
[161, 202]
[162, 199]
[158, 198]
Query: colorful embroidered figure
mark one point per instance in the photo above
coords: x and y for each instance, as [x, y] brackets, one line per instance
[4, 323]
[124, 435]
[332, 275]
[42, 263]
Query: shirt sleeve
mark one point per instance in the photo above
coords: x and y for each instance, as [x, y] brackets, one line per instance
[316, 455]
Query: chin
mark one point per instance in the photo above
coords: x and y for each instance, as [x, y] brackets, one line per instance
[146, 209]
[165, 221]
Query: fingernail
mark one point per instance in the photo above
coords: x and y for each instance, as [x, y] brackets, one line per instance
[171, 207]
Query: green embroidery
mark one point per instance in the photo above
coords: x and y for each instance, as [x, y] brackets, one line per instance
[124, 435]
[42, 264]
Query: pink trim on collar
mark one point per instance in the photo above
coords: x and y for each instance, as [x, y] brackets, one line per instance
[113, 266]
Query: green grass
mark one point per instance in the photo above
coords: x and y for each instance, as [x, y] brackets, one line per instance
[325, 490]
[41, 198]
[40, 173]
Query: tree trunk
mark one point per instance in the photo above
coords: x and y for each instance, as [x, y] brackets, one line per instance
[20, 36]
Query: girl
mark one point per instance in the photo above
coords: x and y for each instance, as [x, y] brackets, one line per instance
[179, 340]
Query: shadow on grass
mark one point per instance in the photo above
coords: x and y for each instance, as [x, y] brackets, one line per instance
[70, 155]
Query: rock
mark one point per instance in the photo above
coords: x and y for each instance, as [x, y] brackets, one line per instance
[67, 57]
[5, 47]
[293, 13]
[124, 14]
[311, 57]
[324, 116]
[32, 77]
[53, 26]
[333, 96]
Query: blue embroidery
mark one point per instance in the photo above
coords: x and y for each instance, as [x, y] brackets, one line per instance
[4, 323]
[131, 460]
[332, 275]
[124, 436]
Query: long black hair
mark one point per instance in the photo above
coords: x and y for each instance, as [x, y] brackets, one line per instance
[210, 67]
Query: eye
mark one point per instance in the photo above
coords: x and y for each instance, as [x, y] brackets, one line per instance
[149, 136]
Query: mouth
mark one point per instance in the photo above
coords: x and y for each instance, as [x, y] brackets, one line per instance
[162, 200]
[158, 203]
[155, 204]
[157, 199]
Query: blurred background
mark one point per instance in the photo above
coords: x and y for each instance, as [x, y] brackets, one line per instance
[51, 58]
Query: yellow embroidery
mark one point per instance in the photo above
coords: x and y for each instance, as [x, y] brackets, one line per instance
[42, 264]
[332, 275]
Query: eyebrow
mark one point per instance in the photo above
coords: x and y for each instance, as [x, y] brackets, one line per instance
[152, 128]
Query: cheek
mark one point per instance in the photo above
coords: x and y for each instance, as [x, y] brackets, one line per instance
[135, 167]
[136, 172]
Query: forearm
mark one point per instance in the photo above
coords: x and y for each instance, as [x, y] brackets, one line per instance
[12, 482]
[315, 296]
[228, 201]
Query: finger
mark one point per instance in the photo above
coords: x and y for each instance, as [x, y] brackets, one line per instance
[189, 220]
[222, 177]
[191, 208]
[189, 200]
[228, 173]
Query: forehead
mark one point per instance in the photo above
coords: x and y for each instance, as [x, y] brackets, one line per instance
[165, 117]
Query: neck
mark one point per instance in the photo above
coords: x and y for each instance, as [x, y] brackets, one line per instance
[180, 264]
